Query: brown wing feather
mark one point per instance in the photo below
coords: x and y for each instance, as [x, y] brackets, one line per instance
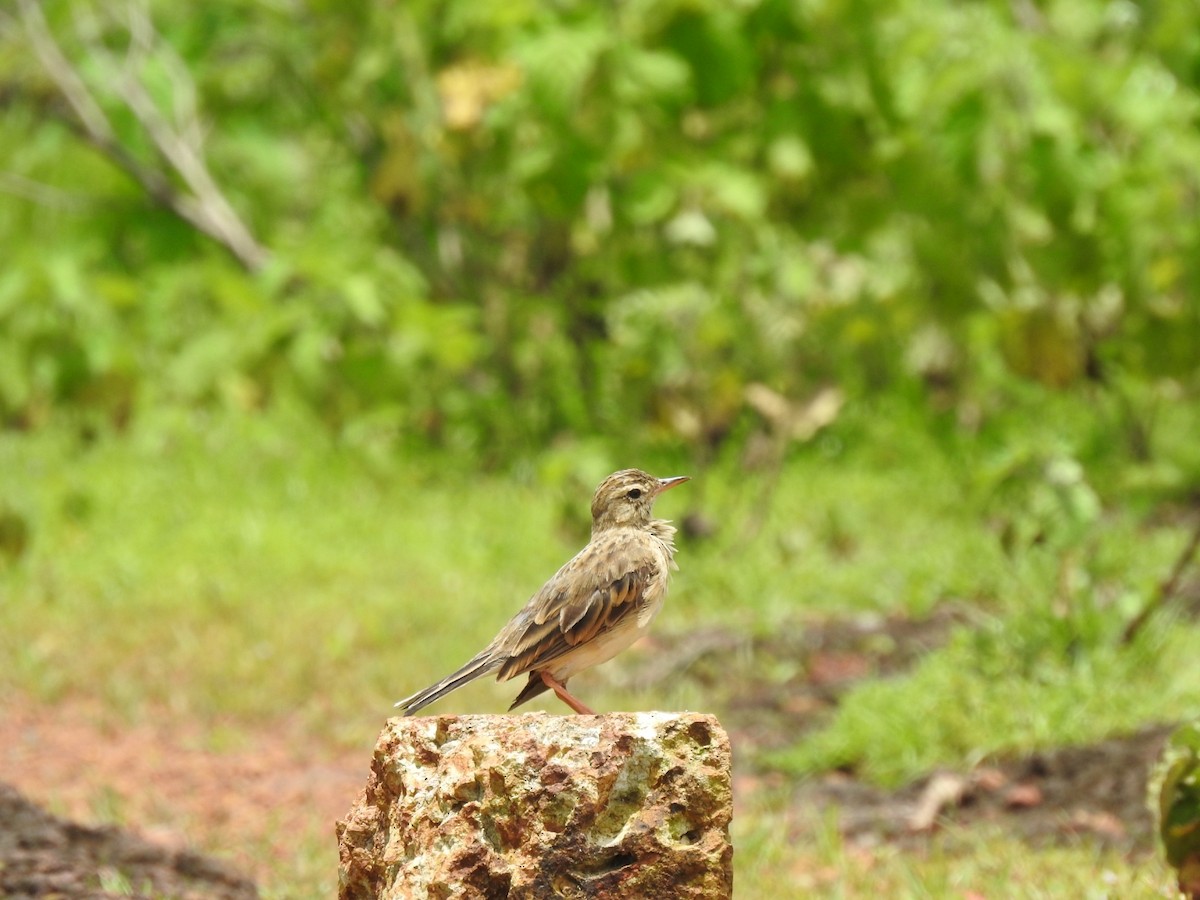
[603, 584]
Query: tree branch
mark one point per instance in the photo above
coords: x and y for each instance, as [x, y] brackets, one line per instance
[202, 204]
[1166, 590]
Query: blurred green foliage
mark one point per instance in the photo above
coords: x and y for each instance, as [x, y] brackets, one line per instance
[1175, 798]
[487, 226]
[608, 232]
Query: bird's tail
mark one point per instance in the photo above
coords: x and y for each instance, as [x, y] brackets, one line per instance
[483, 664]
[532, 688]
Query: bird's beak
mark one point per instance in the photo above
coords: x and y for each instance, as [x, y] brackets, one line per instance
[665, 484]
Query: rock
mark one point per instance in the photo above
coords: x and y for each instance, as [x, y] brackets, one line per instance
[629, 805]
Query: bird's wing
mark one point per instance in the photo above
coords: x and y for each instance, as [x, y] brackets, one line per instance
[599, 587]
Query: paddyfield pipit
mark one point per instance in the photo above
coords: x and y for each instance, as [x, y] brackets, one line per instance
[593, 608]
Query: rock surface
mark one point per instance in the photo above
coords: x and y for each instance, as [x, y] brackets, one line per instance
[630, 805]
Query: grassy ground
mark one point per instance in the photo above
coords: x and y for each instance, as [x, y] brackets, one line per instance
[242, 571]
[986, 864]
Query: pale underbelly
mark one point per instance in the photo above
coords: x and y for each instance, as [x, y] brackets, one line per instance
[605, 646]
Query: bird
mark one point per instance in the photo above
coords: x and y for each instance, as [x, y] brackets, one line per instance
[595, 606]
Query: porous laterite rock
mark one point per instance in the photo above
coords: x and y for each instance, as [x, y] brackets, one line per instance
[629, 805]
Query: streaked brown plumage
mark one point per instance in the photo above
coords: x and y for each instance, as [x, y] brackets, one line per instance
[593, 608]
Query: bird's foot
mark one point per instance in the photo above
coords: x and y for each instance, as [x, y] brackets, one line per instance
[564, 695]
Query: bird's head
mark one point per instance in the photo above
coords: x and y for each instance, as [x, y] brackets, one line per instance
[626, 498]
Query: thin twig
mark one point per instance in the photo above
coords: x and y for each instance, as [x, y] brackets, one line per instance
[36, 192]
[203, 205]
[1167, 589]
[69, 83]
[95, 126]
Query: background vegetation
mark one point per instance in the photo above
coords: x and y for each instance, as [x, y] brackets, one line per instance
[318, 319]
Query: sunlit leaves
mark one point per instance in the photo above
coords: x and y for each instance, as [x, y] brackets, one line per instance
[461, 201]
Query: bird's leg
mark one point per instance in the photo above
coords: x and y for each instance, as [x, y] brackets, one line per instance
[564, 695]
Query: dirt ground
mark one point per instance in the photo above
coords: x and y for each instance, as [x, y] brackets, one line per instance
[44, 856]
[256, 802]
[1096, 791]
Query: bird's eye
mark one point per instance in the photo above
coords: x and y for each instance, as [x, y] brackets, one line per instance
[634, 494]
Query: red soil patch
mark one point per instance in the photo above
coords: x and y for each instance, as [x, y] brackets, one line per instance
[251, 806]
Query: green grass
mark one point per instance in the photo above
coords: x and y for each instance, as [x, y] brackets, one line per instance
[237, 570]
[234, 570]
[981, 695]
[770, 860]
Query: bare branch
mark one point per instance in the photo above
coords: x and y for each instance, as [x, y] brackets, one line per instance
[1167, 588]
[36, 192]
[203, 204]
[91, 118]
[59, 69]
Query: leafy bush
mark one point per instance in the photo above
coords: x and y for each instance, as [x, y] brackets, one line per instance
[484, 226]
